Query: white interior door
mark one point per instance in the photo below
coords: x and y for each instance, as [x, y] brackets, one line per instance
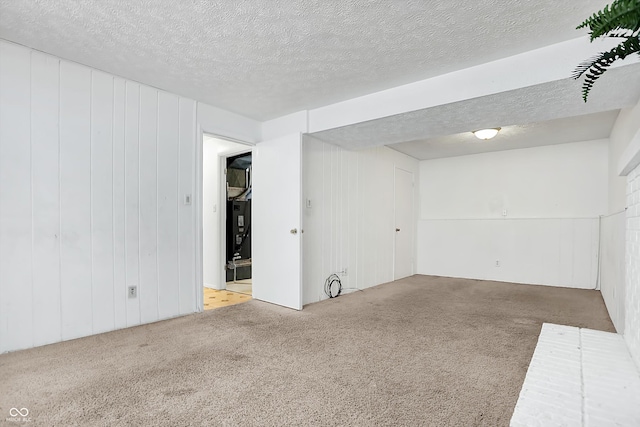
[403, 253]
[276, 222]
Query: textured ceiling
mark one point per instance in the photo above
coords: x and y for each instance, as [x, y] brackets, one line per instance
[559, 131]
[618, 88]
[264, 59]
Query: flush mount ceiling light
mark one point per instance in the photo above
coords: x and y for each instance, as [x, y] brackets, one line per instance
[486, 133]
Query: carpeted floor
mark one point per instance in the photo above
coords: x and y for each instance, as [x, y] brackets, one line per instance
[421, 351]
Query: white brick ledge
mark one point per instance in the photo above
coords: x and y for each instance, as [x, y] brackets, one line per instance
[579, 377]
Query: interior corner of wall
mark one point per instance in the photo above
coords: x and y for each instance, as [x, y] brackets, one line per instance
[297, 122]
[630, 159]
[219, 122]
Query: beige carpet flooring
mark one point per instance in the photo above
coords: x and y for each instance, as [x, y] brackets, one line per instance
[424, 351]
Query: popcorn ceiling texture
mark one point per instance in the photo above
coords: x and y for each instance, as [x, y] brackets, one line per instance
[264, 59]
[632, 308]
[548, 101]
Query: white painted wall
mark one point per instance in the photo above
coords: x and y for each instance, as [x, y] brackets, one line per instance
[552, 196]
[555, 252]
[626, 126]
[612, 266]
[625, 148]
[632, 291]
[613, 236]
[93, 171]
[558, 181]
[350, 224]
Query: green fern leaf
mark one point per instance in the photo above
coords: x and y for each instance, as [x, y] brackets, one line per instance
[596, 67]
[621, 14]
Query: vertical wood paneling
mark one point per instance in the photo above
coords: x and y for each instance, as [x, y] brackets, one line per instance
[337, 210]
[102, 201]
[528, 249]
[148, 289]
[45, 74]
[344, 215]
[119, 273]
[16, 297]
[186, 155]
[75, 200]
[327, 240]
[388, 226]
[367, 262]
[313, 236]
[583, 260]
[565, 253]
[168, 146]
[351, 222]
[85, 211]
[132, 197]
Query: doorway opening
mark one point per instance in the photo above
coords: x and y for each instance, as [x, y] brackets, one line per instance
[238, 223]
[226, 221]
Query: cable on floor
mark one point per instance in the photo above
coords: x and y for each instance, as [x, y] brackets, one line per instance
[332, 282]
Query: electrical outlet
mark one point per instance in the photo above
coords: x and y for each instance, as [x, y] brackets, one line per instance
[504, 212]
[133, 291]
[345, 272]
[497, 263]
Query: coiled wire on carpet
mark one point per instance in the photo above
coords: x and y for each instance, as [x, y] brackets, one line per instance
[328, 285]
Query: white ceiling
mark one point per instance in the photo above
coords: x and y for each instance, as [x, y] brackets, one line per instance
[559, 131]
[264, 59]
[545, 114]
[267, 58]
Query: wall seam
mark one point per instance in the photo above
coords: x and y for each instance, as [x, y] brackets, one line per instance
[179, 189]
[60, 205]
[33, 312]
[124, 207]
[91, 191]
[157, 208]
[113, 208]
[139, 297]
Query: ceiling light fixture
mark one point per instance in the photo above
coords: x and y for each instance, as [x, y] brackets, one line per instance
[486, 133]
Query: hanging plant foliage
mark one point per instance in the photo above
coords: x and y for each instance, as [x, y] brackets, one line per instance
[620, 19]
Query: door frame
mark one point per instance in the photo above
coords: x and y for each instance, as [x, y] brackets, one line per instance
[198, 213]
[413, 218]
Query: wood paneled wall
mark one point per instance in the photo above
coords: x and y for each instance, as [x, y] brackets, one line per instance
[93, 174]
[350, 222]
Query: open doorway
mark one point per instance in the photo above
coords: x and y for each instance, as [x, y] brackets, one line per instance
[238, 223]
[226, 220]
